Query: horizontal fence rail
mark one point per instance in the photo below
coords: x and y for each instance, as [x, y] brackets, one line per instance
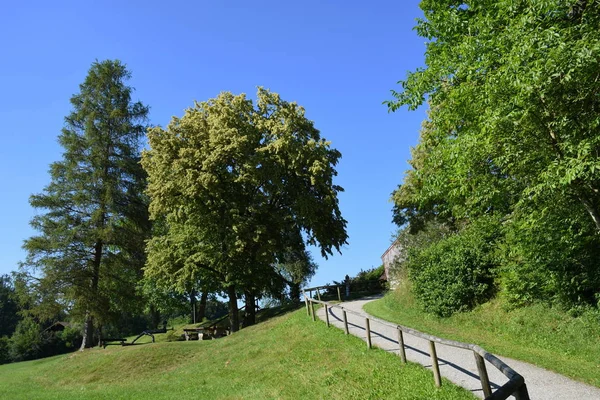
[514, 387]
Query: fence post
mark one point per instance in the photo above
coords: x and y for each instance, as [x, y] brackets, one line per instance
[327, 315]
[434, 364]
[368, 329]
[339, 294]
[346, 323]
[347, 287]
[312, 308]
[306, 302]
[401, 344]
[522, 393]
[318, 294]
[483, 375]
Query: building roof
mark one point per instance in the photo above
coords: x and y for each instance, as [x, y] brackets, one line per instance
[394, 244]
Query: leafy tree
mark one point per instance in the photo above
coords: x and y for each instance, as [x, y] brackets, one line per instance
[231, 178]
[295, 269]
[515, 92]
[9, 308]
[512, 133]
[94, 221]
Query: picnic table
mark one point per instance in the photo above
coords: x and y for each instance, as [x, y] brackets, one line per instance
[203, 333]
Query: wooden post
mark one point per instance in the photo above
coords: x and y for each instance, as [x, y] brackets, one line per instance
[326, 315]
[339, 294]
[521, 393]
[318, 295]
[401, 344]
[346, 323]
[368, 329]
[483, 375]
[312, 308]
[307, 308]
[434, 365]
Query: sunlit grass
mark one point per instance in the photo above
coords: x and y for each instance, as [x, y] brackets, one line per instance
[286, 357]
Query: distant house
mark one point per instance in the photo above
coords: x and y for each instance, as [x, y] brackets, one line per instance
[388, 258]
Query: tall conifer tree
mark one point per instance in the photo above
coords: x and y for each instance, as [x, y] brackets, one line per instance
[94, 220]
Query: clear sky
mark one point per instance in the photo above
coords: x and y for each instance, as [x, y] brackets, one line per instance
[338, 59]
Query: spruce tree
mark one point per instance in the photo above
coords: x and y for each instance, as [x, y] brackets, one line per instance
[94, 215]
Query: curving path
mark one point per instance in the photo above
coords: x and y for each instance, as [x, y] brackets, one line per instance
[458, 365]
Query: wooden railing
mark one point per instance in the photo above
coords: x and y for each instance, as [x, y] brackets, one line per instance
[514, 387]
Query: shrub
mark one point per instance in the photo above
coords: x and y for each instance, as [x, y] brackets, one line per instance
[4, 348]
[26, 341]
[457, 272]
[555, 260]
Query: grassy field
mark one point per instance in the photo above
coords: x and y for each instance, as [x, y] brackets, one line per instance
[537, 334]
[286, 357]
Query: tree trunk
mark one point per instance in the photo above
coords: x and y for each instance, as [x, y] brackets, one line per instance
[295, 293]
[250, 310]
[154, 317]
[193, 306]
[88, 329]
[201, 308]
[234, 317]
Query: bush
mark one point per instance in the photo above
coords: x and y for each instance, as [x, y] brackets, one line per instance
[554, 260]
[26, 341]
[456, 273]
[4, 348]
[61, 342]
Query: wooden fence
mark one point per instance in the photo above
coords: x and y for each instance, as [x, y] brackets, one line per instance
[514, 387]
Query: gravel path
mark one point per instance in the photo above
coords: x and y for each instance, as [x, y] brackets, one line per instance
[458, 365]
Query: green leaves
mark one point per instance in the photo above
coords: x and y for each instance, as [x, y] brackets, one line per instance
[513, 126]
[93, 214]
[239, 184]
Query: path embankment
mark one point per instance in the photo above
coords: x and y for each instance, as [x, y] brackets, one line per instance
[458, 365]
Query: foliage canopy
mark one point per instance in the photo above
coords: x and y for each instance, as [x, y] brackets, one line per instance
[514, 132]
[239, 186]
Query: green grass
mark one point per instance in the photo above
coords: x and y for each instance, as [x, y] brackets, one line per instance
[538, 334]
[286, 357]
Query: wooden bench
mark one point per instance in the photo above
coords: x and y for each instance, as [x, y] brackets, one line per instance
[107, 341]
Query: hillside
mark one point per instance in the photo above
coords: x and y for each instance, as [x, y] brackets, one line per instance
[287, 357]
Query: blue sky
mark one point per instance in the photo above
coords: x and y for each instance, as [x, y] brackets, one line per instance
[338, 59]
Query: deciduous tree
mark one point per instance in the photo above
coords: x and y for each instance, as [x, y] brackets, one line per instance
[230, 177]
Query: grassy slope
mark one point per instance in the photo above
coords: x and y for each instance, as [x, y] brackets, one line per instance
[287, 357]
[537, 334]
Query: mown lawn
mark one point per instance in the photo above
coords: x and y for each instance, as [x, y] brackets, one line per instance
[538, 334]
[286, 357]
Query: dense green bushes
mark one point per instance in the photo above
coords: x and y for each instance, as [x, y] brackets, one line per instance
[30, 342]
[555, 260]
[456, 272]
[26, 341]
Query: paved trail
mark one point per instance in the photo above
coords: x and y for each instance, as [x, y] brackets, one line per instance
[458, 365]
